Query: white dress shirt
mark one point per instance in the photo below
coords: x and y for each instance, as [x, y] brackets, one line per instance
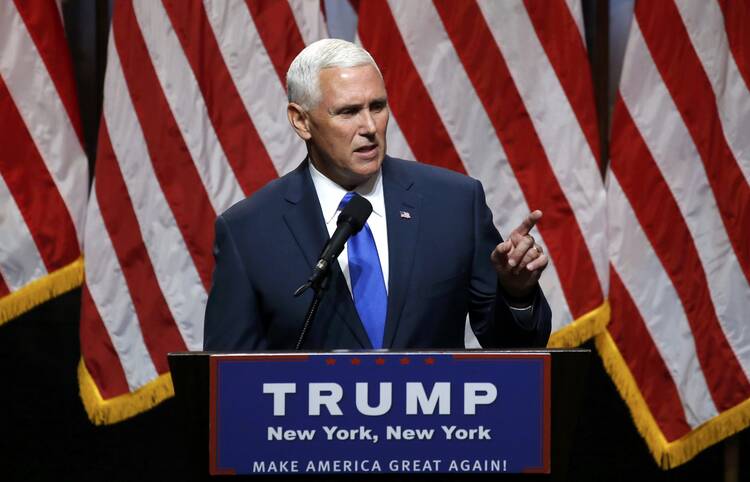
[330, 195]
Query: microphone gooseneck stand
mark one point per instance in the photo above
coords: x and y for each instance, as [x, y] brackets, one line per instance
[319, 285]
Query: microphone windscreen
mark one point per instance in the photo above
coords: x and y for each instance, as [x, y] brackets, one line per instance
[356, 212]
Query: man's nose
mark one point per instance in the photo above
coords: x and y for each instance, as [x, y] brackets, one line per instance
[368, 122]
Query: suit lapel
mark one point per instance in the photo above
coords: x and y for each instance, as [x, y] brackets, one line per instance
[303, 216]
[305, 220]
[402, 218]
[341, 297]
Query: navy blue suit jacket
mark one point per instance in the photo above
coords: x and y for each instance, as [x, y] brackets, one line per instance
[439, 269]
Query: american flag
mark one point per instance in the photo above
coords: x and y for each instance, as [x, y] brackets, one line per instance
[43, 168]
[195, 119]
[678, 346]
[502, 91]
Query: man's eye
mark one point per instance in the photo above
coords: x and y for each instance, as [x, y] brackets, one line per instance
[377, 107]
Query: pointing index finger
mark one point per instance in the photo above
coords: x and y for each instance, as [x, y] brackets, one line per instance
[525, 227]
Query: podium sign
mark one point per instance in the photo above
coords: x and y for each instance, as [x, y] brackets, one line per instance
[375, 412]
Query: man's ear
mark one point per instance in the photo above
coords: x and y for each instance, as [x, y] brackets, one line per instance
[298, 118]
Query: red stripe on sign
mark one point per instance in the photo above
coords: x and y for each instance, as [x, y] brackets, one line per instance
[174, 168]
[239, 139]
[33, 189]
[99, 355]
[661, 220]
[160, 334]
[633, 340]
[736, 21]
[279, 31]
[408, 98]
[684, 76]
[489, 74]
[562, 42]
[43, 22]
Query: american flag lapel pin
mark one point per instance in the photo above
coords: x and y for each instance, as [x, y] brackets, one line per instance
[405, 214]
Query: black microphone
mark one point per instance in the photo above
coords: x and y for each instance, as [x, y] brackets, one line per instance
[352, 218]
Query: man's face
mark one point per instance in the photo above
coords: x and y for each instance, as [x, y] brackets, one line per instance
[347, 127]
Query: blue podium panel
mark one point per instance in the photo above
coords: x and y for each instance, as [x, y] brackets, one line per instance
[379, 413]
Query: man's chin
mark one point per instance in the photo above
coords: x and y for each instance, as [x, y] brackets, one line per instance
[370, 168]
[362, 174]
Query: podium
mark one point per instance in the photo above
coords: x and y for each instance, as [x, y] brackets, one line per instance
[237, 403]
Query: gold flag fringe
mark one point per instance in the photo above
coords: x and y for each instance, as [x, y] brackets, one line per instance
[122, 407]
[40, 290]
[666, 454]
[581, 329]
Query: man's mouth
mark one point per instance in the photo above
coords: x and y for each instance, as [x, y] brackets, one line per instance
[366, 149]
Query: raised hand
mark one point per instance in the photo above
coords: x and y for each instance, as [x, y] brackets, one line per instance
[519, 261]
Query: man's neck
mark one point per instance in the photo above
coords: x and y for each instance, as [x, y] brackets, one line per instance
[346, 184]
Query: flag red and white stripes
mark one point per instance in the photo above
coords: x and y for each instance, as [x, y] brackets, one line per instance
[43, 168]
[502, 92]
[194, 120]
[679, 226]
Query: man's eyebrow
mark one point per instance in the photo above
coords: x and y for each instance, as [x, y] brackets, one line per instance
[358, 106]
[341, 108]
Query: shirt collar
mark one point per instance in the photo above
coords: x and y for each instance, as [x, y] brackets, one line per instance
[330, 193]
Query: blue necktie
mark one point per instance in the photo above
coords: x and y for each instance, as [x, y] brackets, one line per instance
[368, 287]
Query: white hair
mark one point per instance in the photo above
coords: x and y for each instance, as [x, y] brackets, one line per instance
[303, 76]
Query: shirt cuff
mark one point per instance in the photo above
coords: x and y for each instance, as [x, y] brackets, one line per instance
[524, 316]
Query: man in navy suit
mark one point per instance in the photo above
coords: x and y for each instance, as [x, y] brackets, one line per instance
[434, 253]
